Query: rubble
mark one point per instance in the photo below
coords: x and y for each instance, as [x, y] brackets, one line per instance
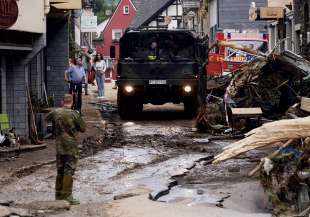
[284, 174]
[272, 82]
[211, 117]
[47, 205]
[4, 211]
[274, 133]
[288, 182]
[279, 84]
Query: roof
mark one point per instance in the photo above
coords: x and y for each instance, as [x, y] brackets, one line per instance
[137, 3]
[101, 27]
[148, 10]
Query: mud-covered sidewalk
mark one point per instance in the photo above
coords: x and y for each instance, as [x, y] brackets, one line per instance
[18, 164]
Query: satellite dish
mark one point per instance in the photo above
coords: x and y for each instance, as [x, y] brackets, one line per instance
[253, 12]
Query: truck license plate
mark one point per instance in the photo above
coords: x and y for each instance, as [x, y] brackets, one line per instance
[157, 82]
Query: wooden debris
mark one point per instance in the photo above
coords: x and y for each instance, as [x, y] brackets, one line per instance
[268, 134]
[246, 111]
[305, 104]
[285, 178]
[256, 169]
[211, 118]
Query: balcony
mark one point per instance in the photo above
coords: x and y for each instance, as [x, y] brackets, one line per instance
[191, 3]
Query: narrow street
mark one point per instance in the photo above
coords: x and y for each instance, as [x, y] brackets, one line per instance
[160, 157]
[154, 108]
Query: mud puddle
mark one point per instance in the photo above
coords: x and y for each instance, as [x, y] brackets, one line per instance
[193, 196]
[133, 129]
[116, 171]
[105, 175]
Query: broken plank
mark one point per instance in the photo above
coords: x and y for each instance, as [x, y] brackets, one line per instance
[305, 104]
[246, 111]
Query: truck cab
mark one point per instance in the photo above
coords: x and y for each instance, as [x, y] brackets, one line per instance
[158, 67]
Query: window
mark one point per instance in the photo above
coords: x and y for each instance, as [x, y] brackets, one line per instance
[126, 9]
[116, 34]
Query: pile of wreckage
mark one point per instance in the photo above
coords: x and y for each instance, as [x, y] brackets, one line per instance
[8, 138]
[272, 90]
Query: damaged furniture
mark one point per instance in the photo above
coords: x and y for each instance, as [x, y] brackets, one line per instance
[245, 113]
[305, 104]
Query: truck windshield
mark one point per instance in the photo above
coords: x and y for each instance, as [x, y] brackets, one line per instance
[164, 46]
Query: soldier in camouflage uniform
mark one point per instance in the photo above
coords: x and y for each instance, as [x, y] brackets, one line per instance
[67, 124]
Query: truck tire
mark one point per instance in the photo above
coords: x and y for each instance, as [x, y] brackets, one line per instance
[128, 107]
[191, 108]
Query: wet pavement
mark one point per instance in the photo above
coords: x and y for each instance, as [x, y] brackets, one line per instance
[145, 160]
[161, 152]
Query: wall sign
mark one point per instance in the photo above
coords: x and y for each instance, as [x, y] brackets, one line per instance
[8, 13]
[88, 22]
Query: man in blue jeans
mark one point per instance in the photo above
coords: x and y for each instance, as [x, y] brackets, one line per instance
[77, 77]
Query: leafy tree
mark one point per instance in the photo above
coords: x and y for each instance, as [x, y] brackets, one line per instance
[102, 6]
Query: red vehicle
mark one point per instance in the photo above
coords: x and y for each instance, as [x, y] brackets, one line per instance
[224, 60]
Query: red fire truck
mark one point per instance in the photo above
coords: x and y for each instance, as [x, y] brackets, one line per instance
[224, 60]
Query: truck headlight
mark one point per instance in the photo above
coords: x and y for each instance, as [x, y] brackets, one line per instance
[187, 89]
[129, 89]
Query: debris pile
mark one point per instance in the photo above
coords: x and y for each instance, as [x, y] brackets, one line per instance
[211, 117]
[8, 138]
[286, 179]
[284, 174]
[273, 82]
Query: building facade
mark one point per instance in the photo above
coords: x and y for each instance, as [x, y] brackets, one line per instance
[33, 56]
[122, 17]
[116, 26]
[302, 27]
[21, 59]
[233, 16]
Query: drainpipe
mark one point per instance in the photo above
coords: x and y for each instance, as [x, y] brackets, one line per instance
[46, 6]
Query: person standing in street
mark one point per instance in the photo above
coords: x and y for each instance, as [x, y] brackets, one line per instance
[72, 63]
[67, 123]
[86, 57]
[100, 68]
[76, 75]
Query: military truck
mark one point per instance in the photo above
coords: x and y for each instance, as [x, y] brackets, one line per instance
[158, 67]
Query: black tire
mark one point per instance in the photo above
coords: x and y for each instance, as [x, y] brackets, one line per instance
[191, 108]
[128, 107]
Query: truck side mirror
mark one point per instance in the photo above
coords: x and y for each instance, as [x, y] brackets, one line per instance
[112, 52]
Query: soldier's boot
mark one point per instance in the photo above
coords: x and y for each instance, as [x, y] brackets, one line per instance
[58, 187]
[67, 190]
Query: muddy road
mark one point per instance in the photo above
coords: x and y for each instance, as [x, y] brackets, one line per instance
[160, 155]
